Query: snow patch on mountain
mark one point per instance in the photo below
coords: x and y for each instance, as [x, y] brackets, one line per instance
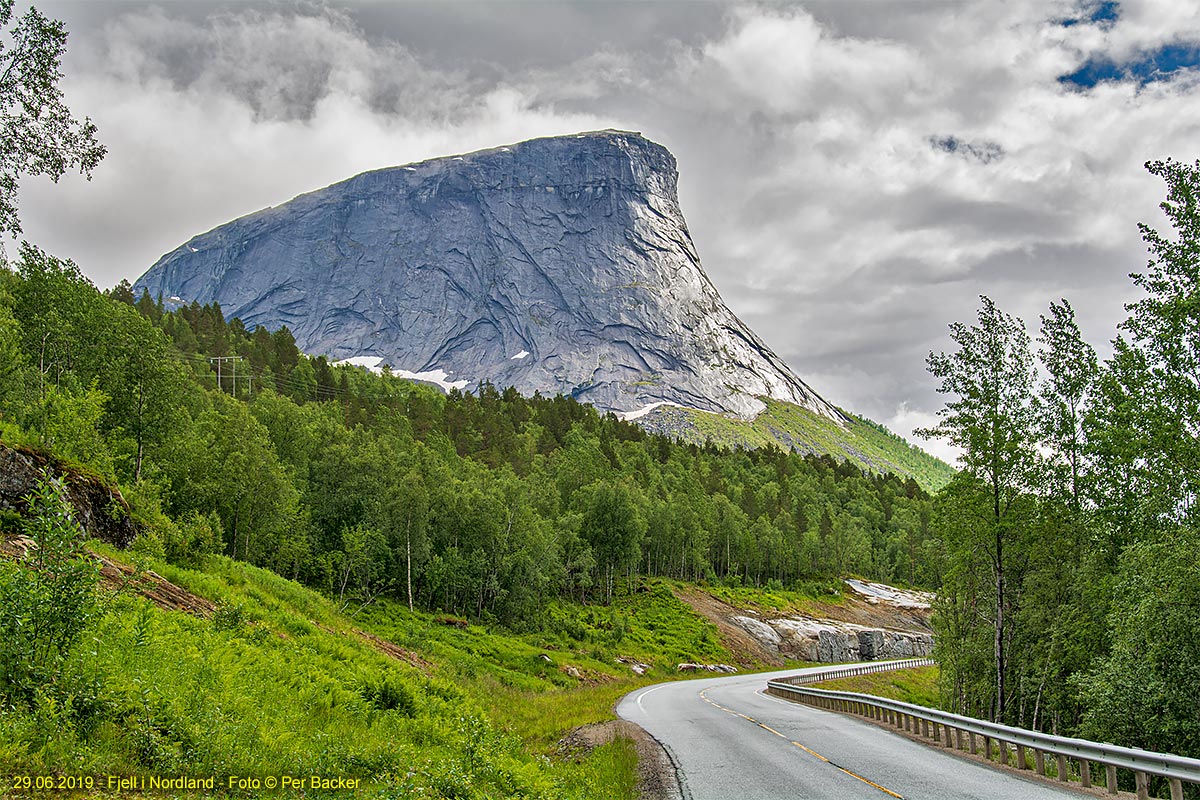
[438, 377]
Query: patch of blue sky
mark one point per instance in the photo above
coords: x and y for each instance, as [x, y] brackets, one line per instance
[1154, 65]
[1103, 14]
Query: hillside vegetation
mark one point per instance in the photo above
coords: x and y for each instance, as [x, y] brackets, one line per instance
[366, 485]
[278, 682]
[793, 428]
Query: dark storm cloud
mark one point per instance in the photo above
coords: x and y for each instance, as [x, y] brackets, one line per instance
[854, 175]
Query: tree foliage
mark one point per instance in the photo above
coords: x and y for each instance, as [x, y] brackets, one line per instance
[38, 134]
[1101, 542]
[991, 378]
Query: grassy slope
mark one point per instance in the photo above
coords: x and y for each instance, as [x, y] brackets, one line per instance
[814, 601]
[789, 426]
[280, 682]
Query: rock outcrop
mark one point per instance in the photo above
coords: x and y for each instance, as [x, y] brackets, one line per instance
[558, 265]
[831, 641]
[99, 508]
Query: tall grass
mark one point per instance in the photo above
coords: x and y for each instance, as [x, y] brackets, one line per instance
[276, 683]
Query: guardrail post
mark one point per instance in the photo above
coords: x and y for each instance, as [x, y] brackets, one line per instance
[1039, 760]
[1110, 775]
[958, 736]
[1064, 774]
[1003, 751]
[1143, 790]
[1085, 774]
[925, 727]
[971, 739]
[987, 747]
[1176, 789]
[1021, 762]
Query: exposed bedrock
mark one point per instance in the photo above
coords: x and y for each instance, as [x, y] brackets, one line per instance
[559, 265]
[810, 639]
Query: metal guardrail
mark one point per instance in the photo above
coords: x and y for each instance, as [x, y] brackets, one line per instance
[820, 674]
[931, 723]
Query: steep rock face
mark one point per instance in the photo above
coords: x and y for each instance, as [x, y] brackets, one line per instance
[559, 265]
[834, 641]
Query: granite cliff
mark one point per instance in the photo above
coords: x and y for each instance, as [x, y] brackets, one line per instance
[559, 265]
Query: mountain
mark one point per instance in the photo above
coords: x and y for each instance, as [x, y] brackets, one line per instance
[559, 265]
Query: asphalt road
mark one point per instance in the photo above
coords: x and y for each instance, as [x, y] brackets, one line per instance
[731, 741]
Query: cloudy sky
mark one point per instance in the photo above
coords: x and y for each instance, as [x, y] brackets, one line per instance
[854, 174]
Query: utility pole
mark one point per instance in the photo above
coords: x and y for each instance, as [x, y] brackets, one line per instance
[219, 360]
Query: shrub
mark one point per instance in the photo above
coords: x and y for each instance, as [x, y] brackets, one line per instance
[46, 597]
[387, 693]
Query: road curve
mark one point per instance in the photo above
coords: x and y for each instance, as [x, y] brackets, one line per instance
[731, 741]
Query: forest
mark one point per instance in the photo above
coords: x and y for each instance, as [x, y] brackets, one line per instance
[1070, 593]
[484, 505]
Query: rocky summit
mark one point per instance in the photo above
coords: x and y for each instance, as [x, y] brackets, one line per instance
[557, 265]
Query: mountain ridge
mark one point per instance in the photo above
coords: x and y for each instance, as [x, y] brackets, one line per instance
[560, 265]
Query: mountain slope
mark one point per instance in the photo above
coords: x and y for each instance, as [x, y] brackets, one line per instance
[559, 265]
[789, 427]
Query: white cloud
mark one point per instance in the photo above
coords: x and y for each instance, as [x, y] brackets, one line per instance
[905, 422]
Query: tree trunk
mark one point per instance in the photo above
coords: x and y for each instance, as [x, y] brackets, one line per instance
[141, 428]
[1000, 649]
[408, 565]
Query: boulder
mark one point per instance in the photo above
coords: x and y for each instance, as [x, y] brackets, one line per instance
[870, 644]
[99, 507]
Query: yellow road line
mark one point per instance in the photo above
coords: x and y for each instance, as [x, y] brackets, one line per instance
[811, 752]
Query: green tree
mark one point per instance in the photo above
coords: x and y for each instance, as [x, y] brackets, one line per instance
[1164, 327]
[230, 467]
[38, 135]
[613, 528]
[16, 378]
[360, 567]
[991, 377]
[403, 510]
[68, 424]
[1144, 693]
[1063, 398]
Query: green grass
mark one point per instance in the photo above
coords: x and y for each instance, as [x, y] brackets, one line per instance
[809, 600]
[523, 680]
[917, 686]
[791, 427]
[278, 683]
